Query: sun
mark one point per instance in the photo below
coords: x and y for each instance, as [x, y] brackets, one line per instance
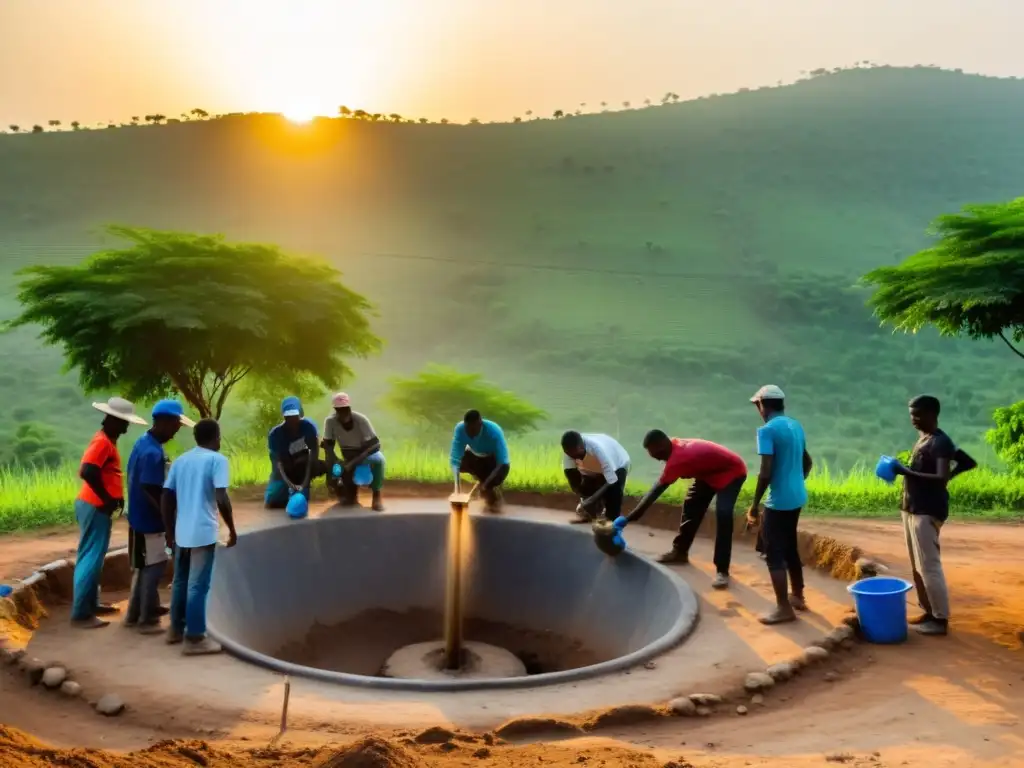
[300, 115]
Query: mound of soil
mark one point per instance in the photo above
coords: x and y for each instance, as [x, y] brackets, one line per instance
[371, 752]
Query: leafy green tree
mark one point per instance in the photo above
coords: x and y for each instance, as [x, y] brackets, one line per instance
[344, 111]
[263, 394]
[175, 311]
[969, 283]
[55, 123]
[34, 444]
[438, 396]
[559, 114]
[1007, 437]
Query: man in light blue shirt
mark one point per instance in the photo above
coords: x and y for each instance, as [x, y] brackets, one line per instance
[479, 449]
[785, 465]
[195, 489]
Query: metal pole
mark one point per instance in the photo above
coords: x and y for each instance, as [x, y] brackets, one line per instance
[453, 605]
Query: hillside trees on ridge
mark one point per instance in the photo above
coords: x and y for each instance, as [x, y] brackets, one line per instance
[175, 312]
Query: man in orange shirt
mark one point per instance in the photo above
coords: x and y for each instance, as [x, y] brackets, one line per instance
[102, 494]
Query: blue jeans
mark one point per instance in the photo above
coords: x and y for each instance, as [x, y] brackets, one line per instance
[93, 540]
[193, 572]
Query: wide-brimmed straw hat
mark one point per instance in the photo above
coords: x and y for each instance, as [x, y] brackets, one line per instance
[121, 409]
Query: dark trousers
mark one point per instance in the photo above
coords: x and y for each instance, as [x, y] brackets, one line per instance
[588, 485]
[144, 603]
[695, 506]
[781, 545]
[480, 468]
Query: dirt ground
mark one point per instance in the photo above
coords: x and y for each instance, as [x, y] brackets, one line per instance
[943, 702]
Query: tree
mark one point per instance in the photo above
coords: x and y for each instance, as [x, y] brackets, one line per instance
[969, 283]
[625, 105]
[394, 117]
[1007, 437]
[344, 111]
[559, 114]
[55, 123]
[37, 129]
[75, 125]
[517, 119]
[474, 121]
[360, 114]
[200, 114]
[529, 113]
[175, 311]
[438, 396]
[136, 119]
[424, 120]
[444, 121]
[14, 128]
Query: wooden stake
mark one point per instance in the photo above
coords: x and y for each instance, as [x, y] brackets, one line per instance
[284, 704]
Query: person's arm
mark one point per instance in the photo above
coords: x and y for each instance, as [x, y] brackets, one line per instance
[575, 478]
[766, 450]
[607, 470]
[368, 447]
[169, 506]
[151, 468]
[962, 463]
[327, 443]
[221, 478]
[945, 451]
[645, 503]
[92, 475]
[501, 460]
[808, 464]
[457, 450]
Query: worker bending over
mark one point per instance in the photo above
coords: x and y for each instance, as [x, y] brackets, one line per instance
[479, 449]
[596, 466]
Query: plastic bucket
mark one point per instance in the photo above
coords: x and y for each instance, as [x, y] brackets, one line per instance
[885, 469]
[298, 506]
[363, 474]
[881, 604]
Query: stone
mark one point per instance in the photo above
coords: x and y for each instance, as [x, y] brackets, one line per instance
[33, 669]
[814, 654]
[482, 753]
[840, 634]
[11, 655]
[831, 677]
[741, 710]
[703, 711]
[758, 681]
[435, 735]
[110, 705]
[54, 677]
[757, 700]
[705, 699]
[683, 706]
[71, 689]
[782, 671]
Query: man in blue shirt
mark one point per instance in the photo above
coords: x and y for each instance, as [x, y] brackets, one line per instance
[785, 465]
[294, 456]
[147, 469]
[479, 449]
[196, 489]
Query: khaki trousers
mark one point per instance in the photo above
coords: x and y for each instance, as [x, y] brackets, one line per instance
[922, 533]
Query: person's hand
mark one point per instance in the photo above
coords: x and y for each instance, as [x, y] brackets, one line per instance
[620, 522]
[752, 515]
[586, 502]
[169, 541]
[900, 469]
[110, 507]
[232, 538]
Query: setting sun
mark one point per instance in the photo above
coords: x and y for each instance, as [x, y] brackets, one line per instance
[299, 115]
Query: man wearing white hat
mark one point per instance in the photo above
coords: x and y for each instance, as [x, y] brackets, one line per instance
[785, 465]
[102, 494]
[353, 434]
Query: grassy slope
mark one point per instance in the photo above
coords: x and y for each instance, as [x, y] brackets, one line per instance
[629, 270]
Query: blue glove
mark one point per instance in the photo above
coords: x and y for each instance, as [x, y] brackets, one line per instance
[620, 523]
[336, 470]
[618, 541]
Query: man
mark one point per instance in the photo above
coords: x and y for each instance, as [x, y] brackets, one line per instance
[147, 470]
[596, 467]
[102, 494]
[785, 465]
[354, 435]
[479, 449]
[925, 508]
[294, 456]
[717, 473]
[195, 490]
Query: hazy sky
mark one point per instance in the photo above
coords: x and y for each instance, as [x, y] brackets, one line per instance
[97, 60]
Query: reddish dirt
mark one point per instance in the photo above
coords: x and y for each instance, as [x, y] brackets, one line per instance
[944, 702]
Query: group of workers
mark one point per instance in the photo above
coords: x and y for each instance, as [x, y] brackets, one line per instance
[174, 509]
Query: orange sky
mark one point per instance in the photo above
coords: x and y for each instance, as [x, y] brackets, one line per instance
[99, 60]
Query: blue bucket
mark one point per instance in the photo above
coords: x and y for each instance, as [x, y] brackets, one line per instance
[6, 590]
[881, 604]
[363, 474]
[298, 506]
[885, 469]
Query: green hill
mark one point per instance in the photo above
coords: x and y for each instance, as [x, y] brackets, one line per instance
[624, 270]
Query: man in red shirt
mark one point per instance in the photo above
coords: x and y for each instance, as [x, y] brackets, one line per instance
[717, 473]
[101, 496]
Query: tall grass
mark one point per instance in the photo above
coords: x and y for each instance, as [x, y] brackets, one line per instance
[32, 499]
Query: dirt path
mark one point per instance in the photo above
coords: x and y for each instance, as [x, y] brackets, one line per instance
[947, 702]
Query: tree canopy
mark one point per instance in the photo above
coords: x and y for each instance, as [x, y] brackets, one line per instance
[438, 396]
[970, 282]
[195, 314]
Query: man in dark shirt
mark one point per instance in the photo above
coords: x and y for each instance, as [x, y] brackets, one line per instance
[934, 462]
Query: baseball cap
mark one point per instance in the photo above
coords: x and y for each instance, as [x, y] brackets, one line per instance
[291, 406]
[341, 400]
[172, 408]
[768, 392]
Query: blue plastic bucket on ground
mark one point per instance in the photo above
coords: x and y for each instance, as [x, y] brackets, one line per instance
[363, 474]
[6, 590]
[881, 603]
[298, 506]
[885, 469]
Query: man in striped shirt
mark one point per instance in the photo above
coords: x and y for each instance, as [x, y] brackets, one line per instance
[596, 466]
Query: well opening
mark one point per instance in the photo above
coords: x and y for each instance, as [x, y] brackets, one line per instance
[336, 598]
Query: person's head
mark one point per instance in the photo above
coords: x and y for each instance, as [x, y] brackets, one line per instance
[769, 401]
[474, 422]
[342, 406]
[118, 414]
[168, 418]
[291, 410]
[572, 445]
[207, 434]
[924, 413]
[658, 445]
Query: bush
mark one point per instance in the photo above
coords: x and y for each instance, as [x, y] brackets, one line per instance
[1007, 437]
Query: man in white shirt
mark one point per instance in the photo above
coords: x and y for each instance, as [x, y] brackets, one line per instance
[195, 490]
[596, 466]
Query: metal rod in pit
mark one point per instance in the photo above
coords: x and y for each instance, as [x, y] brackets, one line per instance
[453, 605]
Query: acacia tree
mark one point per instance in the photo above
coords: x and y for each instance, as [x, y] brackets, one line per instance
[437, 397]
[175, 311]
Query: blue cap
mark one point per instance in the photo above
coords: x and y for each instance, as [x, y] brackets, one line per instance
[291, 406]
[172, 408]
